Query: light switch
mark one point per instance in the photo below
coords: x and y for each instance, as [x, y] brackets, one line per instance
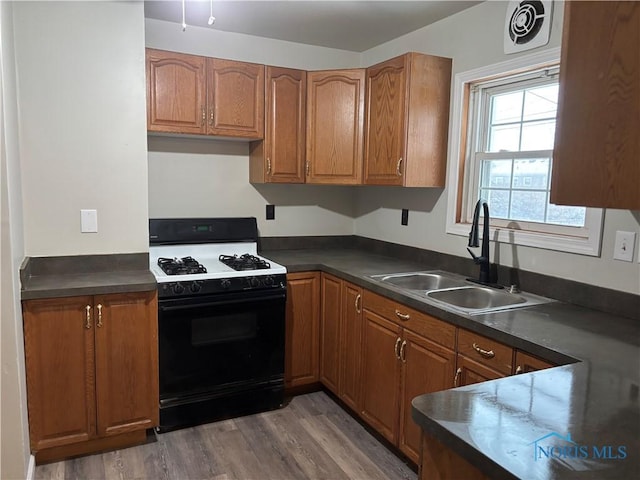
[88, 221]
[625, 243]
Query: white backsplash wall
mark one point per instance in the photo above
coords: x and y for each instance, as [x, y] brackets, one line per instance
[209, 178]
[473, 38]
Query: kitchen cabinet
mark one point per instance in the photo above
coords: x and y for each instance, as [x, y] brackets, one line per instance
[335, 121]
[597, 146]
[525, 363]
[280, 157]
[340, 337]
[92, 371]
[439, 462]
[302, 329]
[407, 121]
[405, 353]
[207, 96]
[480, 359]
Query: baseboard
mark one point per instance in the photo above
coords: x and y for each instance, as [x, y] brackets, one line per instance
[31, 468]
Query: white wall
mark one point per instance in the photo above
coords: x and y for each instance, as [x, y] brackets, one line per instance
[14, 436]
[473, 38]
[83, 127]
[213, 176]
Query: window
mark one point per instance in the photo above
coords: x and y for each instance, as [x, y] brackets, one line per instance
[509, 111]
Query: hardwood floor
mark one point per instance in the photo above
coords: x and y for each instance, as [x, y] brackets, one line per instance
[310, 438]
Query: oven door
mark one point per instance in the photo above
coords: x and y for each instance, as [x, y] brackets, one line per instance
[220, 344]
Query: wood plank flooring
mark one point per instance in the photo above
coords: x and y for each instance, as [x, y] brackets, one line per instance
[311, 438]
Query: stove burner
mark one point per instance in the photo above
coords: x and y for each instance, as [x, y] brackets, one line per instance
[180, 266]
[244, 262]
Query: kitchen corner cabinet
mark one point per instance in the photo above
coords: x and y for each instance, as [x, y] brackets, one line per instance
[335, 123]
[407, 121]
[597, 146]
[340, 337]
[92, 370]
[302, 329]
[280, 157]
[207, 96]
[405, 353]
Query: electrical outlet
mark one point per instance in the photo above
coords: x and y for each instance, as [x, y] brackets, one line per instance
[271, 212]
[88, 221]
[405, 217]
[624, 246]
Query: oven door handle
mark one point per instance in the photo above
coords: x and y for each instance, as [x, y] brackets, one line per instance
[216, 303]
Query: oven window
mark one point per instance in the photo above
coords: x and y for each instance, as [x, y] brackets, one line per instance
[231, 328]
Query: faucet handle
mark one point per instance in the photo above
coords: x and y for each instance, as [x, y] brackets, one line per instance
[476, 259]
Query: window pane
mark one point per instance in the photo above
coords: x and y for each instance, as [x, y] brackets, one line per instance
[496, 173]
[562, 215]
[531, 173]
[538, 135]
[506, 108]
[498, 202]
[504, 137]
[541, 102]
[528, 206]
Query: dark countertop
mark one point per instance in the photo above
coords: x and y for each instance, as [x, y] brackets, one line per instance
[52, 277]
[594, 398]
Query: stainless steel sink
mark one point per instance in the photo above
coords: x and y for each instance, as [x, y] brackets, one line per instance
[475, 299]
[423, 281]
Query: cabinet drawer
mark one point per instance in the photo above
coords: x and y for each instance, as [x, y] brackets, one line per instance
[485, 351]
[410, 319]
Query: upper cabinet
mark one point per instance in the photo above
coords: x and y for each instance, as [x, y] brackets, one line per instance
[335, 120]
[597, 145]
[407, 121]
[198, 95]
[280, 157]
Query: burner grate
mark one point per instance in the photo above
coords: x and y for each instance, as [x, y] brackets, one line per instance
[181, 266]
[244, 262]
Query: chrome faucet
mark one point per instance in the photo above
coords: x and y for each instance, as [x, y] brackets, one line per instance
[483, 259]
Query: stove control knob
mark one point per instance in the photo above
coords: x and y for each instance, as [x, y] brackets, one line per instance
[178, 288]
[225, 283]
[254, 282]
[195, 287]
[268, 280]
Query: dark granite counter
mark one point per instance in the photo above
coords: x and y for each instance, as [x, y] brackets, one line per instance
[580, 420]
[51, 277]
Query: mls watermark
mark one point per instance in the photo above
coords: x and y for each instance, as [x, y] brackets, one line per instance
[554, 445]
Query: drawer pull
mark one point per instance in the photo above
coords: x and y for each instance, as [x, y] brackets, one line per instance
[358, 303]
[402, 316]
[456, 379]
[397, 348]
[483, 352]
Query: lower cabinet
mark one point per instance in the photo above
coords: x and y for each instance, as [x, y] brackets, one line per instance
[405, 353]
[481, 359]
[92, 370]
[302, 329]
[525, 363]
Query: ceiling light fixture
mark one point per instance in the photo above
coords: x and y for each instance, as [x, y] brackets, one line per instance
[184, 23]
[211, 17]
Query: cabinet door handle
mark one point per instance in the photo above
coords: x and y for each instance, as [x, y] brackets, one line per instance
[403, 356]
[456, 379]
[87, 310]
[399, 167]
[397, 348]
[211, 118]
[307, 167]
[99, 307]
[518, 370]
[268, 166]
[358, 300]
[204, 116]
[483, 352]
[402, 316]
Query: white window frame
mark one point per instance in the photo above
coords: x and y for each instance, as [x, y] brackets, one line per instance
[585, 241]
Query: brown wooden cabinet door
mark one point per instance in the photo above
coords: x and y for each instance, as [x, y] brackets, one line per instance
[335, 121]
[381, 374]
[385, 137]
[126, 334]
[526, 363]
[597, 146]
[469, 372]
[59, 353]
[427, 368]
[351, 351]
[302, 329]
[176, 92]
[280, 158]
[330, 345]
[235, 98]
